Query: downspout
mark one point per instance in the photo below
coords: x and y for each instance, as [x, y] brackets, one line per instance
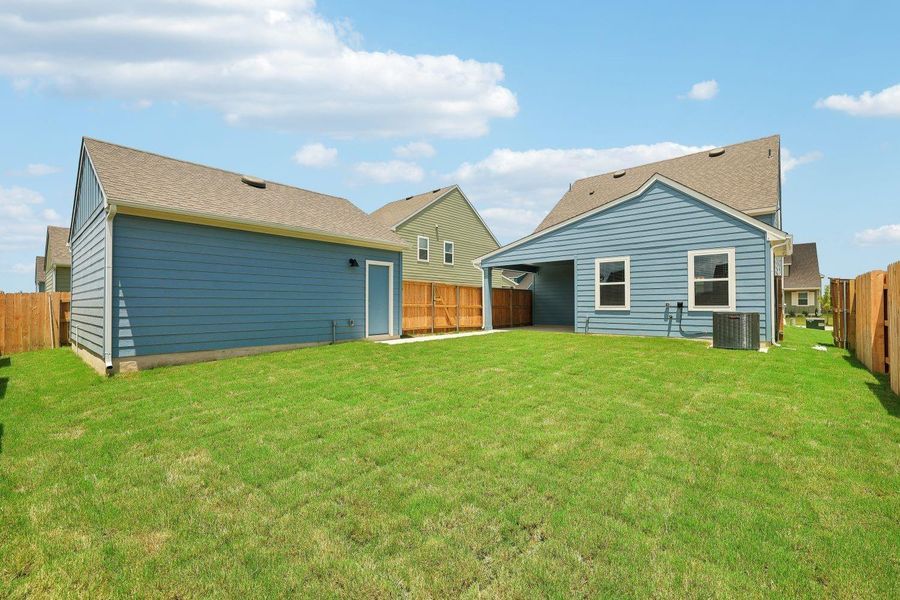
[108, 289]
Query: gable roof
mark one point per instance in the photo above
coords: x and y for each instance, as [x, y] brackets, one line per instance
[772, 233]
[39, 274]
[747, 176]
[56, 248]
[144, 180]
[396, 213]
[804, 272]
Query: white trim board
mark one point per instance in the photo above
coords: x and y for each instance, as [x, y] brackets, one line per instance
[772, 233]
[390, 266]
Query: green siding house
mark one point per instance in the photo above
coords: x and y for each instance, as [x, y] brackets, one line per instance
[57, 260]
[444, 234]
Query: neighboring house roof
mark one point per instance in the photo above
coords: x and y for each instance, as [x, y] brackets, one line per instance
[520, 279]
[747, 177]
[39, 275]
[144, 180]
[804, 272]
[56, 248]
[393, 214]
[773, 234]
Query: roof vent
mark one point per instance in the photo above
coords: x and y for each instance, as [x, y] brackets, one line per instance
[717, 152]
[618, 174]
[591, 193]
[254, 181]
[408, 198]
[435, 191]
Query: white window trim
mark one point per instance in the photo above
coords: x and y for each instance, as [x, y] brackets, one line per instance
[452, 252]
[797, 298]
[598, 283]
[427, 248]
[732, 292]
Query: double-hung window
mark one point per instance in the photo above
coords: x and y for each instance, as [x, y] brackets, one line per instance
[711, 279]
[612, 283]
[424, 249]
[802, 298]
[448, 253]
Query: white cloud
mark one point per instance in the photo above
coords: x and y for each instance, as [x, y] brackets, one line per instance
[703, 90]
[35, 170]
[23, 221]
[415, 150]
[390, 171]
[886, 234]
[275, 63]
[789, 162]
[22, 268]
[514, 190]
[316, 155]
[885, 103]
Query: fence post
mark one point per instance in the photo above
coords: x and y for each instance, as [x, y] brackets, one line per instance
[457, 309]
[432, 307]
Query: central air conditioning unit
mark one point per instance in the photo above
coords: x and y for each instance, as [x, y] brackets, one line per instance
[736, 330]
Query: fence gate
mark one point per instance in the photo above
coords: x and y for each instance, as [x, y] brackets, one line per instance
[431, 307]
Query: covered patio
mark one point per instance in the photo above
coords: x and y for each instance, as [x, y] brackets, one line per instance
[553, 293]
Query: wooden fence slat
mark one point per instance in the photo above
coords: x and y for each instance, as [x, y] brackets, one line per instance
[893, 308]
[870, 320]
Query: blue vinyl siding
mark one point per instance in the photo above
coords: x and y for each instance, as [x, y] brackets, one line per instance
[88, 264]
[180, 287]
[554, 294]
[768, 219]
[89, 195]
[656, 229]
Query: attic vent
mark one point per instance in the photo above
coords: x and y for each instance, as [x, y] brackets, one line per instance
[717, 152]
[435, 191]
[618, 174]
[591, 193]
[408, 198]
[254, 181]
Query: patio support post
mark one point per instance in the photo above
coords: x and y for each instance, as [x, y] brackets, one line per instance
[487, 300]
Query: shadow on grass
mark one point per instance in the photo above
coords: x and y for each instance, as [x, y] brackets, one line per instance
[4, 381]
[4, 362]
[1, 438]
[881, 390]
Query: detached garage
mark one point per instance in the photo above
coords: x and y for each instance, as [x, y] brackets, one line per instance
[175, 262]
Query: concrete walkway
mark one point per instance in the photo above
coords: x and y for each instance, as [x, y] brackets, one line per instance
[444, 336]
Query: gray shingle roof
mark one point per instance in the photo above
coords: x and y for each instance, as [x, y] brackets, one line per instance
[746, 177]
[39, 275]
[56, 248]
[394, 213]
[804, 270]
[156, 182]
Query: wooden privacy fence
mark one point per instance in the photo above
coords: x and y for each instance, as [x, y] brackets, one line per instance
[34, 321]
[430, 307]
[867, 319]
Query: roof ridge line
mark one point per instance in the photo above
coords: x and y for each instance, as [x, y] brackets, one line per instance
[212, 168]
[765, 137]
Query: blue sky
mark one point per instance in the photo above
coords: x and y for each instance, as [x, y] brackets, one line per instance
[376, 101]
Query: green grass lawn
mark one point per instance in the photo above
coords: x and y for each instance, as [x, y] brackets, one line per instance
[511, 465]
